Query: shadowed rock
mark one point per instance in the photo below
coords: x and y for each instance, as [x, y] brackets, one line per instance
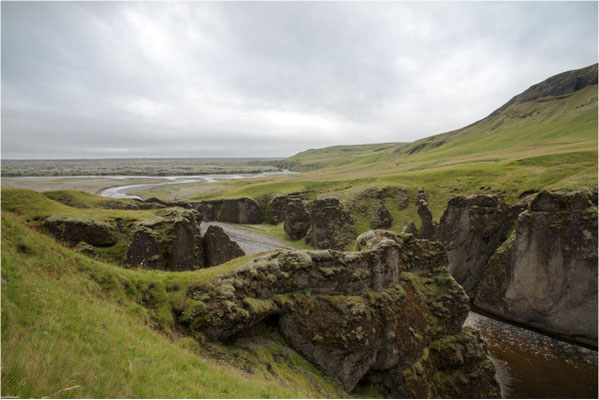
[172, 243]
[428, 229]
[372, 314]
[471, 228]
[74, 230]
[332, 227]
[297, 219]
[237, 211]
[277, 208]
[545, 274]
[381, 217]
[218, 247]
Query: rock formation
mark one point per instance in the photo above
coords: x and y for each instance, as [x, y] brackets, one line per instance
[471, 228]
[428, 229]
[390, 314]
[237, 211]
[297, 219]
[545, 274]
[74, 230]
[332, 226]
[277, 207]
[218, 247]
[381, 217]
[172, 242]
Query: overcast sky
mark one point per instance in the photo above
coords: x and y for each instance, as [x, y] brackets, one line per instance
[268, 79]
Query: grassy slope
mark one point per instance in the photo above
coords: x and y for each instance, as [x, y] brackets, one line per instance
[547, 143]
[69, 320]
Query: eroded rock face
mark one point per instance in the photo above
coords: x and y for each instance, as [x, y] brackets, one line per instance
[297, 219]
[74, 230]
[381, 217]
[371, 314]
[332, 226]
[471, 228]
[428, 228]
[237, 211]
[276, 210]
[218, 247]
[545, 274]
[172, 243]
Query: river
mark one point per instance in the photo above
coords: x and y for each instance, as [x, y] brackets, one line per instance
[533, 365]
[120, 192]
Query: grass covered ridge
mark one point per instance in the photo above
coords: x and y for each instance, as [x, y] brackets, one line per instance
[69, 320]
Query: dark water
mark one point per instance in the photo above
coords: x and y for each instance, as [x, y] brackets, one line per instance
[532, 365]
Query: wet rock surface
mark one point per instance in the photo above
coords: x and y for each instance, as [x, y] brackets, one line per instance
[545, 274]
[471, 229]
[74, 230]
[218, 247]
[331, 225]
[368, 315]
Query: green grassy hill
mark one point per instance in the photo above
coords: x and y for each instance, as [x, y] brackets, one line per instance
[545, 137]
[69, 320]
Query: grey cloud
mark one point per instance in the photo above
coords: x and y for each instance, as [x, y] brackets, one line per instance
[268, 79]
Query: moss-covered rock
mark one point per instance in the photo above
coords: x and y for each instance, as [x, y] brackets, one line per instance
[332, 226]
[238, 211]
[74, 230]
[381, 217]
[218, 247]
[297, 219]
[353, 314]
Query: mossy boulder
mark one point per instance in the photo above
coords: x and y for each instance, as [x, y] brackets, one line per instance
[172, 242]
[276, 210]
[74, 230]
[218, 247]
[545, 274]
[332, 226]
[356, 315]
[297, 219]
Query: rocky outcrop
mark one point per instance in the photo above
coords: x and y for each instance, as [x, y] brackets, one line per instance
[332, 226]
[545, 274]
[390, 314]
[429, 227]
[471, 228]
[238, 211]
[172, 242]
[218, 247]
[297, 219]
[381, 217]
[74, 230]
[277, 207]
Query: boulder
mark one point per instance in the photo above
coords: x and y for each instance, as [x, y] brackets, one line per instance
[237, 211]
[74, 230]
[545, 274]
[218, 247]
[171, 243]
[332, 226]
[381, 217]
[297, 219]
[373, 314]
[471, 228]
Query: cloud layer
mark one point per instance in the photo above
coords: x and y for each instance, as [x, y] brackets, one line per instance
[268, 79]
